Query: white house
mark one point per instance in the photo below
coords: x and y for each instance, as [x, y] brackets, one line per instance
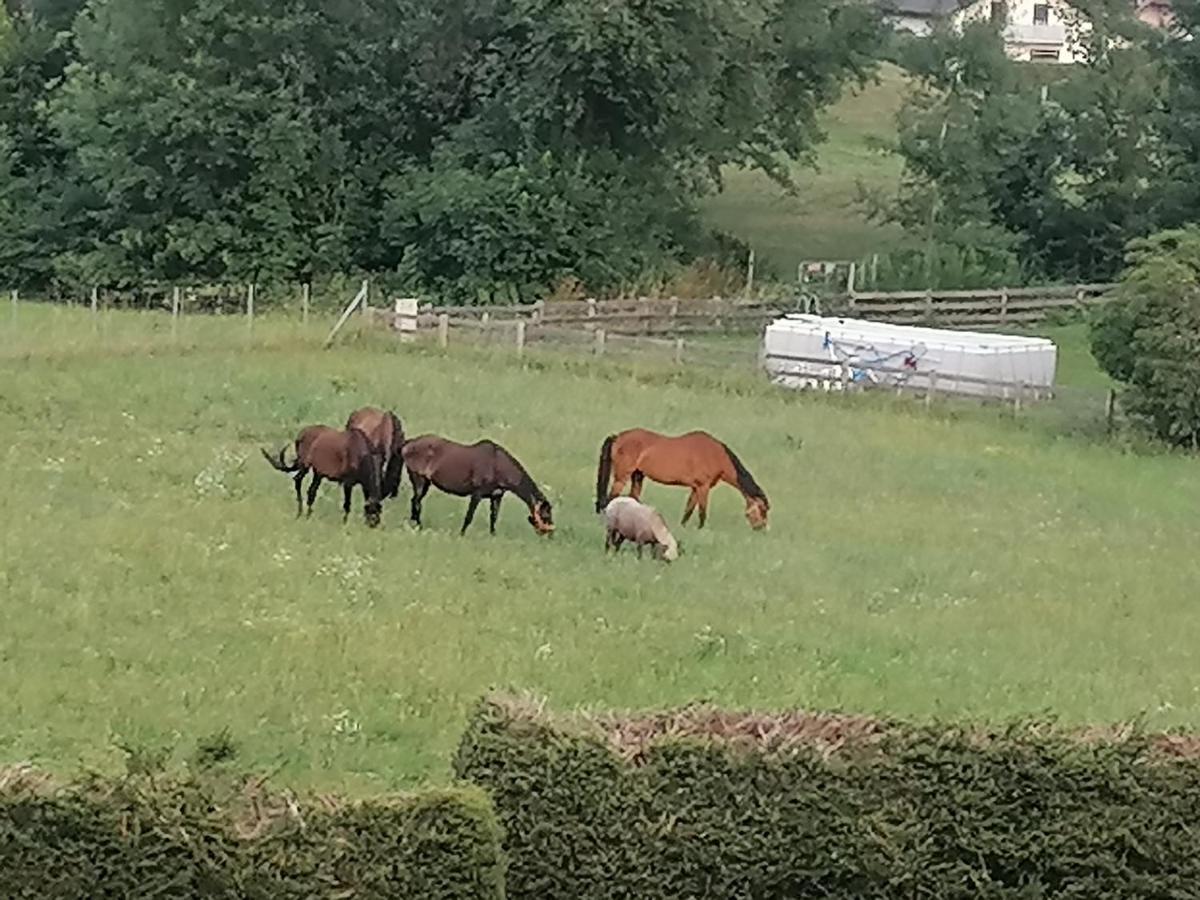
[1035, 30]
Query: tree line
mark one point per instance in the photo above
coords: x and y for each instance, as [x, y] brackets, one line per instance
[459, 147]
[1051, 170]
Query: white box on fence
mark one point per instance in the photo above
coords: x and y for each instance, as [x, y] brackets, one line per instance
[405, 317]
[832, 353]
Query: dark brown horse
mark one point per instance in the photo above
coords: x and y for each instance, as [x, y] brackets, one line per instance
[695, 460]
[346, 457]
[386, 434]
[479, 471]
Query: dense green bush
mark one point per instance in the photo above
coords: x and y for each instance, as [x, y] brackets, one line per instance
[141, 837]
[705, 804]
[1149, 336]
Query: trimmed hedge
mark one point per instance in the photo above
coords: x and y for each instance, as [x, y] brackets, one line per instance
[138, 837]
[717, 805]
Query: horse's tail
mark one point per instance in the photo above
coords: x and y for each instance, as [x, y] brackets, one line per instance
[745, 481]
[604, 472]
[277, 461]
[394, 472]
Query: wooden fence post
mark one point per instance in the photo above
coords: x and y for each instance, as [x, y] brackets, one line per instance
[95, 299]
[250, 308]
[850, 279]
[520, 339]
[1003, 304]
[750, 274]
[305, 299]
[175, 314]
[15, 297]
[929, 304]
[443, 331]
[360, 297]
[931, 390]
[599, 341]
[874, 271]
[679, 351]
[1110, 410]
[591, 307]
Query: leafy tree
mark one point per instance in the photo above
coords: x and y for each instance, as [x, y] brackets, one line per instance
[1053, 166]
[236, 139]
[1149, 337]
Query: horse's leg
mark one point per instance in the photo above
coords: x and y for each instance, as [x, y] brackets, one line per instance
[347, 490]
[494, 513]
[312, 490]
[299, 482]
[690, 508]
[639, 550]
[635, 491]
[420, 487]
[702, 502]
[471, 507]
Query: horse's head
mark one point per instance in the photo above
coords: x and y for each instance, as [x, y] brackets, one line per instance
[373, 512]
[541, 516]
[756, 512]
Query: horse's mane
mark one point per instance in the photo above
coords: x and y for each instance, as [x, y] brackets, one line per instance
[526, 486]
[745, 480]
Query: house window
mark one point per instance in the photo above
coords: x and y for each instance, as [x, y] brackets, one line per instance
[1043, 55]
[999, 12]
[1041, 14]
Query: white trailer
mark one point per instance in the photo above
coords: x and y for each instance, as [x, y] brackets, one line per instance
[835, 354]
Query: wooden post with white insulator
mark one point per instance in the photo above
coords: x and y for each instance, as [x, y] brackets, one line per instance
[405, 318]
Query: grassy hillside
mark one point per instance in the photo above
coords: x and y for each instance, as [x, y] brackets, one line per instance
[155, 587]
[823, 220]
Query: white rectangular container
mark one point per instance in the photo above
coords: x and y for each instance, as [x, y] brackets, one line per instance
[835, 353]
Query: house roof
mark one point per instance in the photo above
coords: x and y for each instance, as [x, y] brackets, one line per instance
[931, 8]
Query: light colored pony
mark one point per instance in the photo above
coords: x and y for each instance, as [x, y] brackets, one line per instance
[626, 519]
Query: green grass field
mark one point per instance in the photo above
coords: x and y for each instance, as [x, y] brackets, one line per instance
[155, 587]
[823, 218]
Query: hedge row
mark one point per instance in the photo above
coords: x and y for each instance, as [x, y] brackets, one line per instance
[142, 838]
[706, 804]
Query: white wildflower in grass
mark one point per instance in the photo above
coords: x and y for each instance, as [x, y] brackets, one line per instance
[215, 478]
[281, 557]
[543, 652]
[349, 572]
[345, 724]
[54, 464]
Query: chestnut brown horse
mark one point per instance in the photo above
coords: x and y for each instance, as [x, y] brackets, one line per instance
[386, 434]
[695, 460]
[479, 471]
[346, 457]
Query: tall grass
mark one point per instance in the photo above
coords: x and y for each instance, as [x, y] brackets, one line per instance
[155, 587]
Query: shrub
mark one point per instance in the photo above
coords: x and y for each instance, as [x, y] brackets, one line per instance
[141, 837]
[710, 804]
[1149, 336]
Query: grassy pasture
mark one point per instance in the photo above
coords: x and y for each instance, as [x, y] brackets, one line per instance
[823, 218]
[155, 588]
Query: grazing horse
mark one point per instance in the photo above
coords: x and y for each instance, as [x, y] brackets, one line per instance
[346, 457]
[386, 434]
[695, 460]
[626, 519]
[478, 471]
